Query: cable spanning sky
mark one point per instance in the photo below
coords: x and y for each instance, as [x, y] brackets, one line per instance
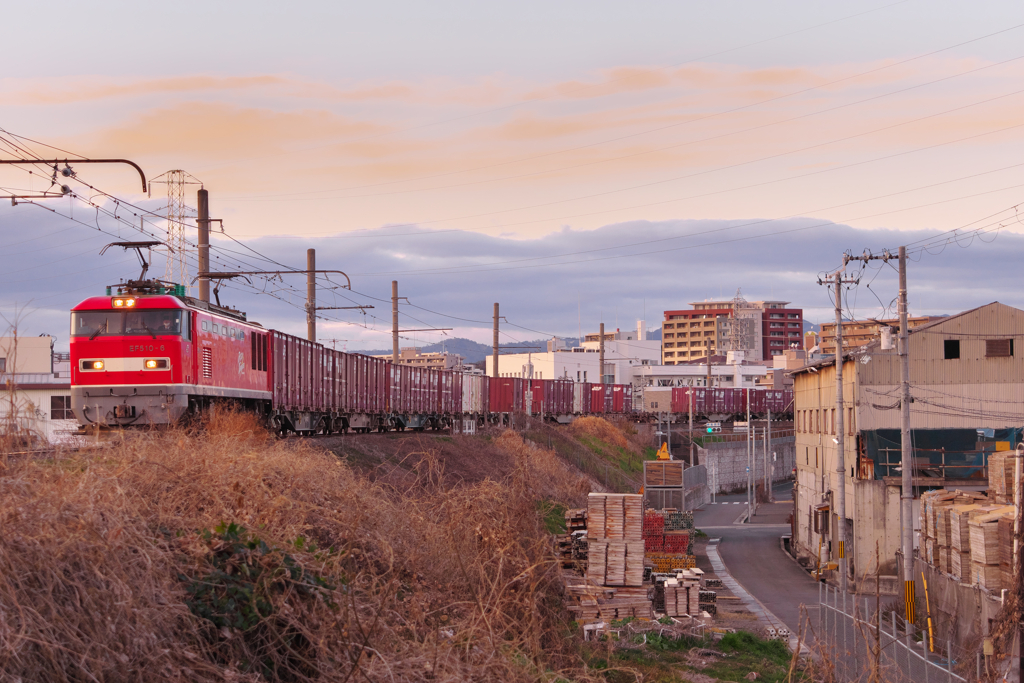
[613, 160]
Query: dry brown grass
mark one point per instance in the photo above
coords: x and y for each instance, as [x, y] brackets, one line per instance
[602, 429]
[102, 552]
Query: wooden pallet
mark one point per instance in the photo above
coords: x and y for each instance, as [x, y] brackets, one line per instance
[984, 535]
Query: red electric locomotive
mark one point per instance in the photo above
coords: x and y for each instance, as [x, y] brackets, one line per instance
[147, 355]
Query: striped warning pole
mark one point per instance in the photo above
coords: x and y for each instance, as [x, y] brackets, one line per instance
[909, 595]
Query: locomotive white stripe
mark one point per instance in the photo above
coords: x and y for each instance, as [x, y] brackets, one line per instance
[128, 364]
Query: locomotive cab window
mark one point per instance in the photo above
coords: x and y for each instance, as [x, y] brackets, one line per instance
[152, 322]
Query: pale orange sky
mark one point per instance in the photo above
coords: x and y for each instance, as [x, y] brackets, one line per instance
[519, 123]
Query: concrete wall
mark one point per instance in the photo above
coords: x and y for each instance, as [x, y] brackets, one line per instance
[727, 462]
[32, 354]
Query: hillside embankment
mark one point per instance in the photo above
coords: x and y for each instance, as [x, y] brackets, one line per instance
[223, 554]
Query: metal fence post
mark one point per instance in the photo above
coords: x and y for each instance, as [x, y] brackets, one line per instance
[908, 627]
[949, 659]
[835, 619]
[846, 667]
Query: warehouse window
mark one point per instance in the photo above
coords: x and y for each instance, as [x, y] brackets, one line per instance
[951, 348]
[3, 365]
[998, 348]
[60, 408]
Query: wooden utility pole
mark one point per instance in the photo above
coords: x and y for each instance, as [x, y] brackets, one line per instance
[311, 295]
[494, 370]
[203, 222]
[600, 360]
[394, 321]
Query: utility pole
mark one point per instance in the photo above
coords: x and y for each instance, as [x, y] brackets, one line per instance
[203, 221]
[494, 370]
[690, 392]
[764, 472]
[768, 477]
[394, 321]
[600, 372]
[750, 463]
[311, 295]
[840, 438]
[707, 342]
[840, 432]
[907, 454]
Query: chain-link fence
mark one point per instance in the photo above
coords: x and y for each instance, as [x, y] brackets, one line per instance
[865, 642]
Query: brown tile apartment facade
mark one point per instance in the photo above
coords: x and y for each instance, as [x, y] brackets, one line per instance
[688, 335]
[857, 333]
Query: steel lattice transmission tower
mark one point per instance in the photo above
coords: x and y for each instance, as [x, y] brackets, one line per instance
[179, 218]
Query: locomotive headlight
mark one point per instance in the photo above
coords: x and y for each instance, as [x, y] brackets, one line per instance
[118, 303]
[124, 303]
[156, 363]
[92, 365]
[129, 303]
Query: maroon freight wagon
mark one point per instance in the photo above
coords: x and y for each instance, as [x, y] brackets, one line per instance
[506, 394]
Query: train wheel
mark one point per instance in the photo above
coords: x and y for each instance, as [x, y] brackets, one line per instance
[277, 425]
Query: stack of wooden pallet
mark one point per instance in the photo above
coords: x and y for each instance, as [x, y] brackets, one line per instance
[1000, 476]
[1006, 550]
[590, 603]
[960, 542]
[659, 473]
[575, 520]
[563, 548]
[985, 550]
[615, 539]
[682, 597]
[946, 543]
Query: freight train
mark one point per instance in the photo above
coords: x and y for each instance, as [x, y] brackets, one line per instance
[147, 354]
[731, 403]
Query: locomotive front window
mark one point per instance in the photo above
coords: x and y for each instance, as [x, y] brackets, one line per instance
[95, 323]
[138, 322]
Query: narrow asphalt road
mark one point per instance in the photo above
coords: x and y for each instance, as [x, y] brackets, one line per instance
[753, 555]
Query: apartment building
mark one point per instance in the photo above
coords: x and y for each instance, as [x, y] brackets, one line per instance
[857, 333]
[436, 360]
[760, 329]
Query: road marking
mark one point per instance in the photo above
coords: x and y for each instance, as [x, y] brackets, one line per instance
[752, 603]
